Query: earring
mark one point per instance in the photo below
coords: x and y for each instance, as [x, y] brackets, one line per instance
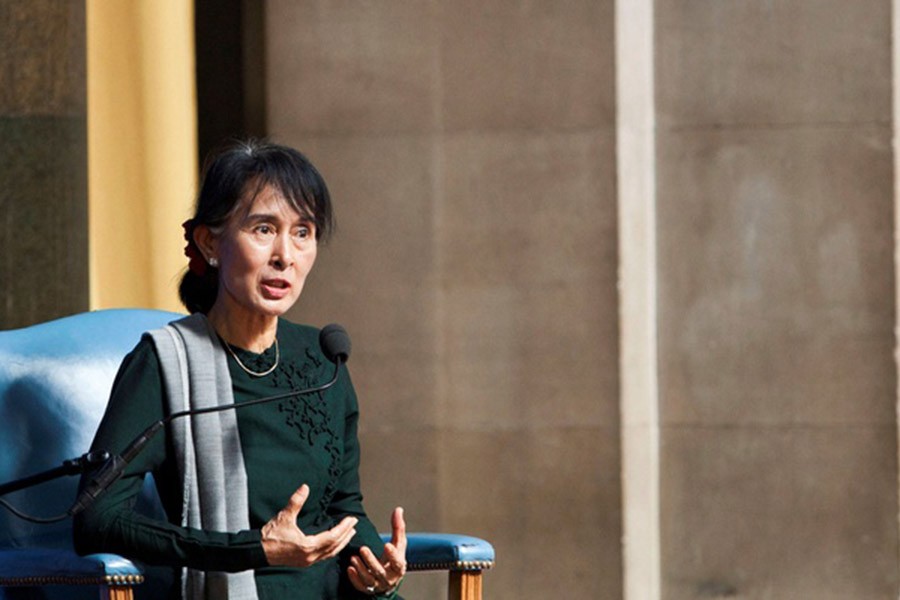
[214, 262]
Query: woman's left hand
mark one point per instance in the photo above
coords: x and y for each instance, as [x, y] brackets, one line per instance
[374, 575]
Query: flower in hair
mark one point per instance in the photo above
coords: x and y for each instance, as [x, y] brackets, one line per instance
[197, 264]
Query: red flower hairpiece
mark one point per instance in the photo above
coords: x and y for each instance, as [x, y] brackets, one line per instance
[197, 263]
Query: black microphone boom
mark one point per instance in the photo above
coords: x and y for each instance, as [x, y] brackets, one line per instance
[335, 343]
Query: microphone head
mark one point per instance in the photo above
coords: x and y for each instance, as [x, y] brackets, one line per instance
[335, 343]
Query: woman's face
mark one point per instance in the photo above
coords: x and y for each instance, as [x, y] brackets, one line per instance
[265, 254]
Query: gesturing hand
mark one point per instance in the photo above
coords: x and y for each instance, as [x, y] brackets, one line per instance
[285, 545]
[379, 575]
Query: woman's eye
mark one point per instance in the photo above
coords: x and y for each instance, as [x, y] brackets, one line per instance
[303, 233]
[263, 229]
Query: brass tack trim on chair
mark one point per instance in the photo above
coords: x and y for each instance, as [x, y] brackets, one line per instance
[50, 580]
[114, 580]
[123, 579]
[460, 565]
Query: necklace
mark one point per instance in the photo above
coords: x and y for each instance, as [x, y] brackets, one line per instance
[250, 372]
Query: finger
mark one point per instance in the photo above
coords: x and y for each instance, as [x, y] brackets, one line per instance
[356, 580]
[297, 500]
[374, 566]
[393, 560]
[398, 534]
[343, 541]
[344, 531]
[331, 542]
[331, 547]
[341, 529]
[365, 576]
[353, 576]
[319, 552]
[338, 532]
[357, 564]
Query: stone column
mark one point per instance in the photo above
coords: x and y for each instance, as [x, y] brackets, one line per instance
[776, 299]
[43, 161]
[639, 400]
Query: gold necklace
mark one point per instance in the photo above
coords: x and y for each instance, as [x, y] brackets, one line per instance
[254, 373]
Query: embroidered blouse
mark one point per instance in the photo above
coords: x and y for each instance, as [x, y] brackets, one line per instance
[308, 439]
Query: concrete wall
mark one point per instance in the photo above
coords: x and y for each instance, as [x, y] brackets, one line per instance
[470, 148]
[776, 299]
[475, 156]
[43, 162]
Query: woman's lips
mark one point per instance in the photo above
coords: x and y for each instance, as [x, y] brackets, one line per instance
[275, 289]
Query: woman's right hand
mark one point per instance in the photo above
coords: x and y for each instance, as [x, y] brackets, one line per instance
[285, 545]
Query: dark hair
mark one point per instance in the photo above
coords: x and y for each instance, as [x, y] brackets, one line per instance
[245, 168]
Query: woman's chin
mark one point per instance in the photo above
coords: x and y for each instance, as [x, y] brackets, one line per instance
[276, 307]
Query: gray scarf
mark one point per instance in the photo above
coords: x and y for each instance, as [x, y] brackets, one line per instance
[208, 447]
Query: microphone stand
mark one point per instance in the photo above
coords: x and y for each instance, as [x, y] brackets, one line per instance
[72, 466]
[112, 466]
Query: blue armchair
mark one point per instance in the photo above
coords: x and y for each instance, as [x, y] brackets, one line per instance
[55, 379]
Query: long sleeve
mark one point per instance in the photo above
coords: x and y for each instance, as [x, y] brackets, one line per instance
[111, 524]
[348, 499]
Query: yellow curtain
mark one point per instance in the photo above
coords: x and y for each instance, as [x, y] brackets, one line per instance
[142, 149]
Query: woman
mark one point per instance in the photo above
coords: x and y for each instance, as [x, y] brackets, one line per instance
[264, 501]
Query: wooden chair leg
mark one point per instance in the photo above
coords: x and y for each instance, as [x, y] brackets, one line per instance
[465, 585]
[124, 592]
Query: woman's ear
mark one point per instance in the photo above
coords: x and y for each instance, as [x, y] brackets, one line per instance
[206, 241]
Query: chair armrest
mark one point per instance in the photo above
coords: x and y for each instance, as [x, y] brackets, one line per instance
[446, 552]
[32, 567]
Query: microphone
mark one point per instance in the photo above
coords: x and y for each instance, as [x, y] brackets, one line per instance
[335, 344]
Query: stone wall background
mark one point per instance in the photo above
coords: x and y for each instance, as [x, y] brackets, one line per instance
[470, 149]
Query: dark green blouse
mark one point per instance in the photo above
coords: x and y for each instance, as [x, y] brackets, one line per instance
[308, 439]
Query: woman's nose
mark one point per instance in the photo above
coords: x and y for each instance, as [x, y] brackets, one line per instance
[282, 252]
